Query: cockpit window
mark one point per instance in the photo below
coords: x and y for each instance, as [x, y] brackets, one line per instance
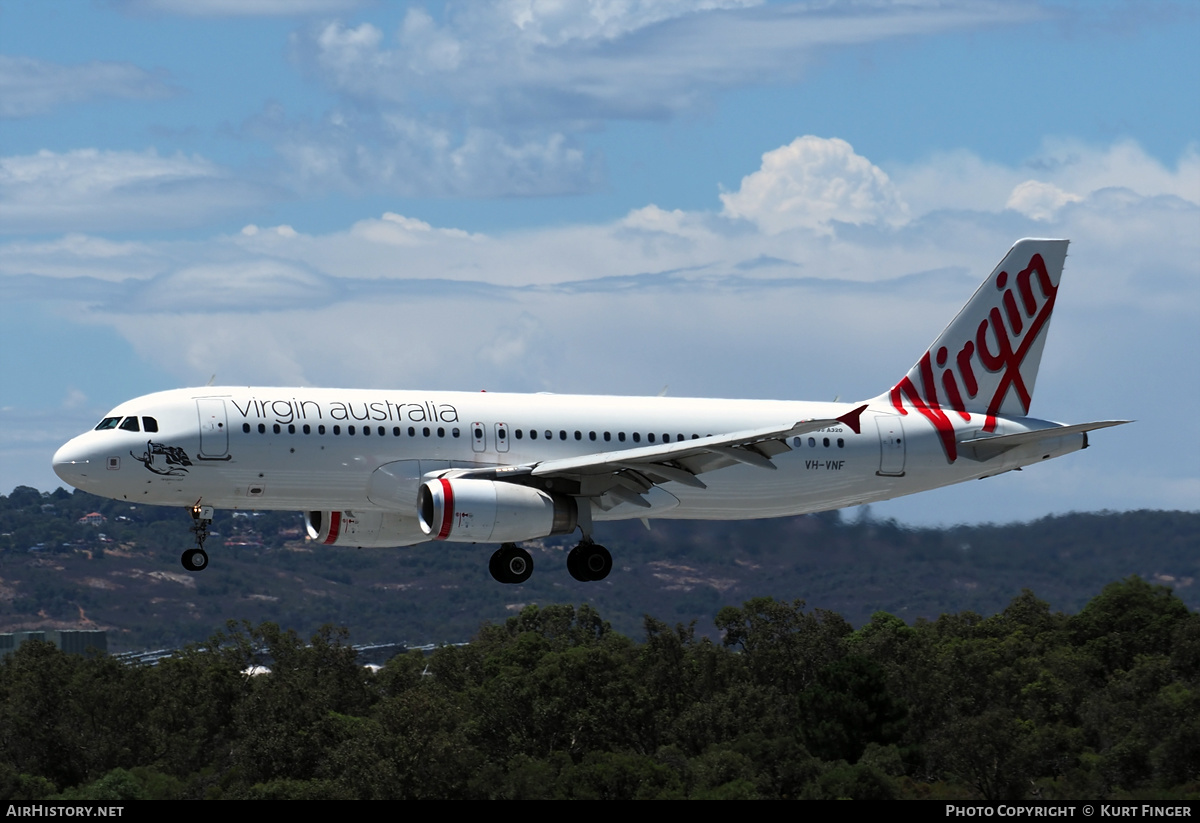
[107, 423]
[130, 424]
[149, 424]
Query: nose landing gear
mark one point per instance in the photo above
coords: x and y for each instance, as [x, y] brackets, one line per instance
[196, 560]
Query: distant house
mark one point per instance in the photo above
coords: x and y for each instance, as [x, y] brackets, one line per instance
[93, 519]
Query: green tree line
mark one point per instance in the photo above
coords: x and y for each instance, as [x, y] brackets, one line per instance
[791, 703]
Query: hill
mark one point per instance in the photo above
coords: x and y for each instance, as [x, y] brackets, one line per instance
[121, 571]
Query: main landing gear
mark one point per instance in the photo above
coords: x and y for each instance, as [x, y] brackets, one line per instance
[511, 564]
[589, 561]
[196, 560]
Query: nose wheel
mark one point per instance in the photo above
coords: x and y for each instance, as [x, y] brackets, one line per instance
[196, 560]
[511, 564]
[589, 561]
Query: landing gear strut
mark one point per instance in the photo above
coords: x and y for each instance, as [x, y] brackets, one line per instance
[589, 561]
[511, 564]
[196, 560]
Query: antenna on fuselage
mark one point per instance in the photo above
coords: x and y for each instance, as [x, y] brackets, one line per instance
[211, 380]
[663, 393]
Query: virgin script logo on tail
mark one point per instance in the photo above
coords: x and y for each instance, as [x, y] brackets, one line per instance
[990, 362]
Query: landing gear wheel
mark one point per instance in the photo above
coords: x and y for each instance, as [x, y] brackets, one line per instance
[589, 562]
[511, 564]
[195, 560]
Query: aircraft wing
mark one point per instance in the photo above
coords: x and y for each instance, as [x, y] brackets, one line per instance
[985, 448]
[622, 476]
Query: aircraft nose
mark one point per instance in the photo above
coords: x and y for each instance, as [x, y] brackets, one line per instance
[72, 464]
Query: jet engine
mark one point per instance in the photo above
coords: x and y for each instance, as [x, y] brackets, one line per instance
[364, 529]
[484, 511]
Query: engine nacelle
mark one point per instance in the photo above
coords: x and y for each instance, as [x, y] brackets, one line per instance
[484, 511]
[363, 529]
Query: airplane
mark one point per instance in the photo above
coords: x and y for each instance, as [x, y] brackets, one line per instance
[381, 468]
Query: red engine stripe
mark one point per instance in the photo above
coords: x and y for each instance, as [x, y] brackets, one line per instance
[335, 526]
[447, 509]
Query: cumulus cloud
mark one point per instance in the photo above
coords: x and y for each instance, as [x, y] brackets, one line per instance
[91, 190]
[1039, 200]
[30, 87]
[811, 183]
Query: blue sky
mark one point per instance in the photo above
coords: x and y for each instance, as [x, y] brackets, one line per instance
[727, 198]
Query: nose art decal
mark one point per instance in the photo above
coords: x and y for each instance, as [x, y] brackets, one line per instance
[174, 463]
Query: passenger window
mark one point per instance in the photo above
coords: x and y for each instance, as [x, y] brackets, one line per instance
[621, 436]
[130, 424]
[262, 428]
[812, 441]
[650, 437]
[841, 443]
[107, 423]
[337, 429]
[321, 429]
[149, 424]
[291, 428]
[275, 428]
[245, 428]
[607, 436]
[637, 437]
[825, 441]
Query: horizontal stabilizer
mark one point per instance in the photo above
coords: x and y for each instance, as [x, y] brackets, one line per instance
[985, 448]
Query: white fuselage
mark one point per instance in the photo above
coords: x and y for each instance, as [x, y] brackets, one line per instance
[323, 449]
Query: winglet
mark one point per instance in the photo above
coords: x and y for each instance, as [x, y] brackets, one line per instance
[851, 419]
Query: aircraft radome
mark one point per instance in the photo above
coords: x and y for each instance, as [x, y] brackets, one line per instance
[394, 468]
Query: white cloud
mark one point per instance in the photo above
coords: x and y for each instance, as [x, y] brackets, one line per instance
[360, 151]
[1039, 200]
[1062, 172]
[523, 61]
[90, 190]
[811, 183]
[31, 87]
[241, 8]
